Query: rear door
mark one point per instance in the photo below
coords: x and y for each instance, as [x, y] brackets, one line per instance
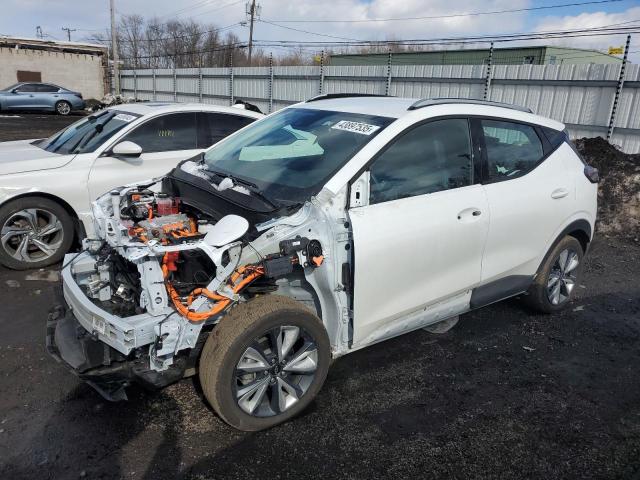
[165, 140]
[46, 95]
[530, 193]
[419, 237]
[213, 126]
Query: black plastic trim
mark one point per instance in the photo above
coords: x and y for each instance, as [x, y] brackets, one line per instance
[499, 290]
[105, 369]
[330, 96]
[430, 102]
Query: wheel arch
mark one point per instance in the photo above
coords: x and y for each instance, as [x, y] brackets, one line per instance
[298, 288]
[79, 230]
[580, 229]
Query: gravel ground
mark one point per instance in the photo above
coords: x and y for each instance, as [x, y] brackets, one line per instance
[506, 394]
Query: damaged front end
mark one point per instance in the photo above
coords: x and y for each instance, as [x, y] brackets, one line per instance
[141, 298]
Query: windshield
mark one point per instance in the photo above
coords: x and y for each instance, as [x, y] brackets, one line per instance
[292, 154]
[87, 134]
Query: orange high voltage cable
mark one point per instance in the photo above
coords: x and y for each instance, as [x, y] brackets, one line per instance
[221, 302]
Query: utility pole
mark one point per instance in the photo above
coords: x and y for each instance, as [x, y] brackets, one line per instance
[253, 12]
[68, 30]
[39, 33]
[114, 49]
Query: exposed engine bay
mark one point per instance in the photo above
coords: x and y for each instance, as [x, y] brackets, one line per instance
[162, 271]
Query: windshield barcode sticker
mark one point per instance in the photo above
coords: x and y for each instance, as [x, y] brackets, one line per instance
[355, 127]
[124, 117]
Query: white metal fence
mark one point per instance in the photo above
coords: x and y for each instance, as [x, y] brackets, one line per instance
[581, 96]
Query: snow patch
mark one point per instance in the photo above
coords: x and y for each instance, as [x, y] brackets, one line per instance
[198, 170]
[195, 169]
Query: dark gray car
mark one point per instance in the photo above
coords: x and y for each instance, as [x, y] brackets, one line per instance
[40, 96]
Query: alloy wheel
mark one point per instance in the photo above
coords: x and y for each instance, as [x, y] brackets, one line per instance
[275, 371]
[63, 108]
[563, 276]
[31, 235]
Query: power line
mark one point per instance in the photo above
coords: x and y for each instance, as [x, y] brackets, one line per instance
[194, 6]
[205, 11]
[306, 31]
[487, 37]
[178, 20]
[455, 15]
[599, 31]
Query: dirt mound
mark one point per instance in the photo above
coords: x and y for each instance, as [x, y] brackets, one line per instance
[619, 189]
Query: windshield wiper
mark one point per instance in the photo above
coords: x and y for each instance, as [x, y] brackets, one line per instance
[235, 179]
[97, 129]
[255, 190]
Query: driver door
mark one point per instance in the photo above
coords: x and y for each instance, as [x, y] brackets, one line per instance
[418, 232]
[23, 97]
[165, 140]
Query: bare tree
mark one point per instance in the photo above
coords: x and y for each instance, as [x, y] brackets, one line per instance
[151, 43]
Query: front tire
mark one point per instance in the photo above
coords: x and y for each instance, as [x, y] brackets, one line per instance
[264, 362]
[34, 232]
[63, 108]
[558, 277]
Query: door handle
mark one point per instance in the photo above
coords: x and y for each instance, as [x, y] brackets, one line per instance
[469, 212]
[559, 193]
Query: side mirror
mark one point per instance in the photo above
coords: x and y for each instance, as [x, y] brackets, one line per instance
[127, 149]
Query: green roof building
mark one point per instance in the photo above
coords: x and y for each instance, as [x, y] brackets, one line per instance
[540, 55]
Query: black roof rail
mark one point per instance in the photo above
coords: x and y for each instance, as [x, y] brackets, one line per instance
[329, 96]
[428, 102]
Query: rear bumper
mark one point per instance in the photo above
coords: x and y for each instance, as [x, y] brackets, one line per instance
[101, 366]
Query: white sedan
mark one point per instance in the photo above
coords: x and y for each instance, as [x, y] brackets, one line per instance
[46, 186]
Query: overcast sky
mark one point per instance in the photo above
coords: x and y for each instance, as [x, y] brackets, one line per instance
[20, 18]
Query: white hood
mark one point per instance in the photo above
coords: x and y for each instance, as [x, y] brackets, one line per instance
[21, 156]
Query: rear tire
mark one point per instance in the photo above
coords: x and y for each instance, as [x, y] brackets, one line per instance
[558, 277]
[63, 108]
[34, 232]
[243, 393]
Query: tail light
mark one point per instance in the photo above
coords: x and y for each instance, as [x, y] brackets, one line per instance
[591, 173]
[79, 95]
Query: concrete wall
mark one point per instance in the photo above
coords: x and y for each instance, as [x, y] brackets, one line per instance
[79, 72]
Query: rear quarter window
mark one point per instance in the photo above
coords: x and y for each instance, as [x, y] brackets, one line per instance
[513, 149]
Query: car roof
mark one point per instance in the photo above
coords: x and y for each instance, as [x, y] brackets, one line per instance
[39, 83]
[158, 108]
[397, 107]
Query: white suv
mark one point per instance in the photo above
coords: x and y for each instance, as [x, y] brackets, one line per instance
[321, 229]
